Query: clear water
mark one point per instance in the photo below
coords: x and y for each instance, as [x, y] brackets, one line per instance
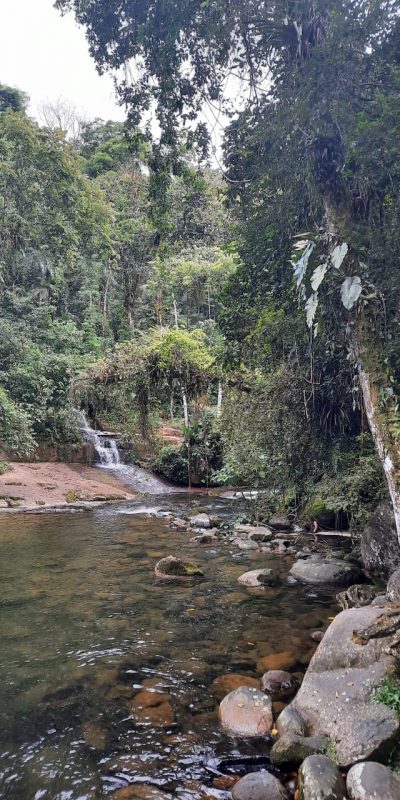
[83, 623]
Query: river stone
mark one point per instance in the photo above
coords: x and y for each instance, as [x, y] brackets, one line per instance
[200, 521]
[173, 569]
[245, 544]
[331, 571]
[246, 712]
[259, 786]
[259, 577]
[278, 683]
[259, 533]
[320, 779]
[380, 549]
[291, 749]
[228, 683]
[335, 696]
[393, 587]
[205, 538]
[286, 660]
[372, 781]
[139, 791]
[360, 594]
[291, 723]
[280, 522]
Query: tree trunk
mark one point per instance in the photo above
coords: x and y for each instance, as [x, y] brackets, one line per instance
[219, 401]
[381, 414]
[185, 408]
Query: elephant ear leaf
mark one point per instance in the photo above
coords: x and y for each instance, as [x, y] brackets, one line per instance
[311, 308]
[318, 276]
[339, 254]
[350, 291]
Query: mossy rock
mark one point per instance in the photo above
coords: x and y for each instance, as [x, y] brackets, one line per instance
[172, 568]
[325, 515]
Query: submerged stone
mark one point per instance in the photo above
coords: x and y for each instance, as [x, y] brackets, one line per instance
[172, 568]
[259, 577]
[294, 749]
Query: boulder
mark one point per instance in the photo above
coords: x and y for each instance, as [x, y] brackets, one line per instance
[335, 697]
[249, 529]
[290, 749]
[246, 712]
[317, 509]
[245, 544]
[205, 538]
[291, 723]
[393, 587]
[320, 779]
[370, 781]
[200, 521]
[259, 577]
[173, 569]
[259, 786]
[329, 571]
[380, 551]
[279, 522]
[278, 684]
[228, 683]
[356, 596]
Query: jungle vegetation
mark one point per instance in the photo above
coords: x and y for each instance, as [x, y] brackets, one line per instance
[257, 307]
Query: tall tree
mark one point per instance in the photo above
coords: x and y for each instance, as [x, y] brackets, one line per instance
[324, 83]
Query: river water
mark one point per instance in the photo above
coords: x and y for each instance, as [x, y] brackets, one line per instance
[84, 626]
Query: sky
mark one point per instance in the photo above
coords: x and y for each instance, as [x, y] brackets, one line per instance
[47, 56]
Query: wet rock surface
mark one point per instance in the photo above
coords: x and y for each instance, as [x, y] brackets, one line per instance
[380, 549]
[335, 696]
[370, 781]
[259, 786]
[280, 522]
[294, 749]
[330, 571]
[393, 587]
[278, 684]
[259, 577]
[246, 712]
[320, 779]
[291, 723]
[172, 568]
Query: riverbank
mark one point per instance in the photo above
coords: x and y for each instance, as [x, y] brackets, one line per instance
[29, 486]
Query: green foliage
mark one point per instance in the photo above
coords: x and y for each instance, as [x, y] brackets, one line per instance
[4, 467]
[388, 692]
[15, 427]
[173, 465]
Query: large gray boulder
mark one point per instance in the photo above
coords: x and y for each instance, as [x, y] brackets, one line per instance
[372, 781]
[259, 577]
[325, 571]
[380, 549]
[320, 779]
[259, 786]
[393, 587]
[335, 698]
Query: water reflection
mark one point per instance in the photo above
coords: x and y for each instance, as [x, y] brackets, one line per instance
[106, 673]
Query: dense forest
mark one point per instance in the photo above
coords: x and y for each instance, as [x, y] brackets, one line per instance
[256, 306]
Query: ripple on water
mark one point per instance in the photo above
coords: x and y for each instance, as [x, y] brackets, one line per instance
[85, 628]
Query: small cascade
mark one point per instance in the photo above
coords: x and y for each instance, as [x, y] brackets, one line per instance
[108, 456]
[105, 446]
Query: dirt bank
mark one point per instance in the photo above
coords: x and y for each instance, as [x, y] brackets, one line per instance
[30, 485]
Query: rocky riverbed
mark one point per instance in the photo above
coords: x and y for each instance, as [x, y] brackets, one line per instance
[158, 650]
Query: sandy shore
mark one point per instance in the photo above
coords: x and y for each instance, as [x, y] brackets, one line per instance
[39, 485]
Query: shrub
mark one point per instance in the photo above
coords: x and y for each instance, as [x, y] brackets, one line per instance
[173, 465]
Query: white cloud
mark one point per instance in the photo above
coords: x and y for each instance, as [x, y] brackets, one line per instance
[47, 56]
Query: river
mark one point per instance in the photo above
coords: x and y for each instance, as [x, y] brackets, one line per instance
[85, 626]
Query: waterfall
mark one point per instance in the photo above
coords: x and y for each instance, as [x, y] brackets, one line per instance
[107, 454]
[104, 445]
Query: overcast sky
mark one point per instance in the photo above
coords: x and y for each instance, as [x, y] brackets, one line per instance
[46, 55]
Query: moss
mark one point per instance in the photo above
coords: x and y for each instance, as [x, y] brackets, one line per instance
[71, 496]
[4, 467]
